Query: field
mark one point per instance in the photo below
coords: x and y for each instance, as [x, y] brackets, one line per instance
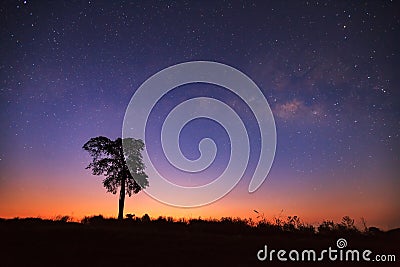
[97, 241]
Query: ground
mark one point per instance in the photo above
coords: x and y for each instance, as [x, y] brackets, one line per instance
[37, 242]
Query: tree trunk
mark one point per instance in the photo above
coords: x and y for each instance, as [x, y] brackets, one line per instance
[121, 200]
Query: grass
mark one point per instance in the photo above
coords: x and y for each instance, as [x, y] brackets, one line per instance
[164, 241]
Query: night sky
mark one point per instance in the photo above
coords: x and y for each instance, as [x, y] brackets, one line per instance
[329, 70]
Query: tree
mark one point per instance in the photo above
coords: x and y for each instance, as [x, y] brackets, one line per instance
[111, 159]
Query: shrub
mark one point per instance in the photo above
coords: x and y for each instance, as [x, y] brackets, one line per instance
[93, 219]
[327, 227]
[130, 216]
[64, 218]
[146, 218]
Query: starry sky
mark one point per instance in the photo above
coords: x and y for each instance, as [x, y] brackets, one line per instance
[329, 70]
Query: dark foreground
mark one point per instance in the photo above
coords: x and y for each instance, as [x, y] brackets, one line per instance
[36, 242]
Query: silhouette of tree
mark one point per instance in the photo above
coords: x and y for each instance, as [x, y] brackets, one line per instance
[112, 161]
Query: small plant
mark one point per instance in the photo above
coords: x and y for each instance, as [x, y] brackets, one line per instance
[130, 216]
[374, 230]
[327, 227]
[146, 218]
[348, 223]
[307, 229]
[63, 219]
[93, 219]
[364, 223]
[292, 224]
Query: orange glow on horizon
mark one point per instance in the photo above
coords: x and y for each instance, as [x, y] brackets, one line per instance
[272, 200]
